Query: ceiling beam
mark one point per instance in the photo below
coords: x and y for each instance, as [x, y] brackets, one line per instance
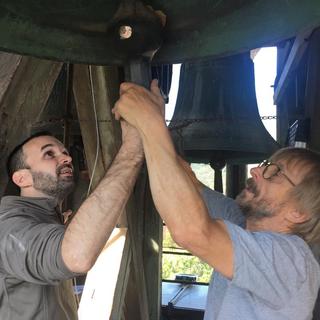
[24, 92]
[297, 51]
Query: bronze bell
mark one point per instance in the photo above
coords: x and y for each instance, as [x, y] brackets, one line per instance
[216, 119]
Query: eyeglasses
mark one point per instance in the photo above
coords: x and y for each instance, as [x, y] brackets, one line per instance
[271, 170]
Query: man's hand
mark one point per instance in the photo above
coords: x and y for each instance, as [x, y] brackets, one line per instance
[138, 105]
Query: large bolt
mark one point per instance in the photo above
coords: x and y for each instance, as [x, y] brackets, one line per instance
[125, 32]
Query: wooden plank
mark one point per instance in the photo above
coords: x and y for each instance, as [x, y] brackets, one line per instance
[28, 84]
[312, 94]
[298, 49]
[152, 255]
[131, 307]
[135, 225]
[106, 88]
[100, 99]
[135, 306]
[146, 257]
[8, 66]
[101, 281]
[86, 116]
[122, 282]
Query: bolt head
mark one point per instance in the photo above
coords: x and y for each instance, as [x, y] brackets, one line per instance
[125, 32]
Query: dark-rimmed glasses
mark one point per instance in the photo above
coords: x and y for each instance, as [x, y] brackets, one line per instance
[271, 170]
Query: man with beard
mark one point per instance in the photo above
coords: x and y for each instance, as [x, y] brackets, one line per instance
[263, 271]
[38, 253]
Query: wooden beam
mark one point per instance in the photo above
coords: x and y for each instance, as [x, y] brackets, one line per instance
[106, 89]
[87, 120]
[312, 94]
[104, 82]
[135, 219]
[152, 255]
[122, 282]
[93, 104]
[8, 67]
[94, 94]
[131, 306]
[24, 92]
[297, 51]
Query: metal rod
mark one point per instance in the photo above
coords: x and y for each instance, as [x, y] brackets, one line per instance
[138, 71]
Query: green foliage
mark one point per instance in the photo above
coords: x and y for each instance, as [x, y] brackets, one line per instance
[173, 264]
[167, 242]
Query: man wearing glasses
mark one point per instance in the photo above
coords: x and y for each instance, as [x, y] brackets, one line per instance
[263, 271]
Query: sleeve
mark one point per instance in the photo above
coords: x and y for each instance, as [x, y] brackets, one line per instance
[222, 207]
[31, 251]
[272, 267]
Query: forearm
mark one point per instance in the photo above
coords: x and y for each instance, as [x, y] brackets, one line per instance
[92, 225]
[180, 204]
[175, 194]
[187, 168]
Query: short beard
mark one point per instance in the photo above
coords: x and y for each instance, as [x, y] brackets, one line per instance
[55, 187]
[254, 209]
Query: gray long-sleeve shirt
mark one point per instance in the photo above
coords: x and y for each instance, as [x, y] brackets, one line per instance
[33, 276]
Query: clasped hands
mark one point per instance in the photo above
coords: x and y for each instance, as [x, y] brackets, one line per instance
[139, 106]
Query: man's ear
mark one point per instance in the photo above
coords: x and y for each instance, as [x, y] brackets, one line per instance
[22, 178]
[296, 216]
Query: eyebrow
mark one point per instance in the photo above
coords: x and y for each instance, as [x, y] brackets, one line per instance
[282, 167]
[52, 145]
[46, 146]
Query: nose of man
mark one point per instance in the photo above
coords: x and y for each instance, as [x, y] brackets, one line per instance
[64, 158]
[255, 172]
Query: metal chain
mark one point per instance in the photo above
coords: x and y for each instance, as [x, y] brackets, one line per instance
[268, 117]
[175, 124]
[180, 124]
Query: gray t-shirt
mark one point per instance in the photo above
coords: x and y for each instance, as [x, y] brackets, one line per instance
[275, 275]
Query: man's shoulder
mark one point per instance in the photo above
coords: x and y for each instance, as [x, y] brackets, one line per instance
[20, 211]
[282, 239]
[271, 238]
[11, 206]
[272, 243]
